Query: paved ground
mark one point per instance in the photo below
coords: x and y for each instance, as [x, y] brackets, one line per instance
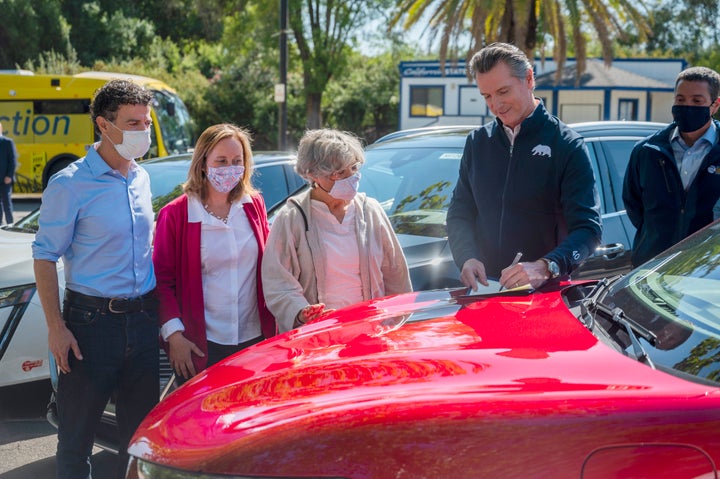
[28, 441]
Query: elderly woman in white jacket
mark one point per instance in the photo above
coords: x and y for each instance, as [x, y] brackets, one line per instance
[330, 246]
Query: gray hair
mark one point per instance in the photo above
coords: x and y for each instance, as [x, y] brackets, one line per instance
[488, 58]
[326, 151]
[711, 77]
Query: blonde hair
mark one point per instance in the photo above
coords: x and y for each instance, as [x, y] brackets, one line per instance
[326, 151]
[197, 183]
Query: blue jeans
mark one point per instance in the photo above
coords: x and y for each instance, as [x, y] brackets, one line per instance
[120, 354]
[6, 201]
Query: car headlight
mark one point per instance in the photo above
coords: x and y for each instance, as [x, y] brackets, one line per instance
[17, 298]
[141, 469]
[16, 295]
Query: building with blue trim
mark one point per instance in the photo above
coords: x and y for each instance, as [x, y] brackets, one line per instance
[628, 89]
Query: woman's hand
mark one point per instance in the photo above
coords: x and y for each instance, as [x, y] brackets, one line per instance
[310, 312]
[180, 354]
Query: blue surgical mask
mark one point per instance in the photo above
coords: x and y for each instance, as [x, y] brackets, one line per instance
[346, 189]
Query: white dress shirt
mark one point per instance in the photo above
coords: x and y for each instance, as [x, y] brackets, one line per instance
[228, 253]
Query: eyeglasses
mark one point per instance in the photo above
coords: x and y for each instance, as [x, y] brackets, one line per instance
[349, 171]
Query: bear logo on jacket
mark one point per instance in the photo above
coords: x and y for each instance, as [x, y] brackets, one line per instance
[541, 150]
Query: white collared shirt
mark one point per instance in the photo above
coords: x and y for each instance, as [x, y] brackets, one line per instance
[228, 254]
[689, 158]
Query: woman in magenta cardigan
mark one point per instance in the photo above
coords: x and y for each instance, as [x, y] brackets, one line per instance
[208, 250]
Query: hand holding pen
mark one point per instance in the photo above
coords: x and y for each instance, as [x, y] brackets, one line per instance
[509, 275]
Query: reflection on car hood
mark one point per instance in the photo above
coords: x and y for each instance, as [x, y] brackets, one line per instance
[409, 355]
[16, 261]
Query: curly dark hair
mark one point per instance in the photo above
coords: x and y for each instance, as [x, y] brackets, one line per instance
[113, 94]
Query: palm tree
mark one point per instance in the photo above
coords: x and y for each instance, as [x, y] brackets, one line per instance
[529, 24]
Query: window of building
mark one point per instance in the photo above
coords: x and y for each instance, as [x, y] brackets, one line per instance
[628, 109]
[426, 101]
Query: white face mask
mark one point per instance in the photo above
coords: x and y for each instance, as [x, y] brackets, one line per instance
[346, 189]
[134, 145]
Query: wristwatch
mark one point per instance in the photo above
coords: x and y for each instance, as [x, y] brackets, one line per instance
[552, 267]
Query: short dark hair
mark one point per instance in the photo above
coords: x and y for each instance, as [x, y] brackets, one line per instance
[113, 94]
[488, 57]
[711, 77]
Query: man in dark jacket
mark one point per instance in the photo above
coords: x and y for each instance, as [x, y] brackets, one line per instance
[8, 164]
[672, 182]
[525, 186]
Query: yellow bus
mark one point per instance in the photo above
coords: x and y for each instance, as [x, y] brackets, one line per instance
[48, 116]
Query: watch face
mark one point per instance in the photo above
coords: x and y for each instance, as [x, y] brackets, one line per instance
[554, 269]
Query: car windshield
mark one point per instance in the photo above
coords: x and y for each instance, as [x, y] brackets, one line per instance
[676, 296]
[28, 224]
[166, 179]
[174, 122]
[413, 185]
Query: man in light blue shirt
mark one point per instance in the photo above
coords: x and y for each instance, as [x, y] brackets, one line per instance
[672, 182]
[97, 216]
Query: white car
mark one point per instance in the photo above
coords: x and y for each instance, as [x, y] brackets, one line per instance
[23, 339]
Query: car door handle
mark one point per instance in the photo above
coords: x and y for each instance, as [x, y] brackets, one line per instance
[609, 249]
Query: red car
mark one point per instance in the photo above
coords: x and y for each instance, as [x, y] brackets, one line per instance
[609, 379]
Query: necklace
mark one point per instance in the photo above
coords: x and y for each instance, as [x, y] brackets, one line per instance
[223, 219]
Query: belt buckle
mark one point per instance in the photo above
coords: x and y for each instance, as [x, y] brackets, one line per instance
[112, 309]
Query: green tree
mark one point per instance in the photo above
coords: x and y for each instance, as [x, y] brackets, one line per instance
[531, 25]
[29, 28]
[323, 32]
[100, 33]
[685, 27]
[363, 98]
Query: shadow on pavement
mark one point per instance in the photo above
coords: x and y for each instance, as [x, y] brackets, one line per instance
[103, 466]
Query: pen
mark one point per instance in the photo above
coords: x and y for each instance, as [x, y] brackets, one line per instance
[514, 262]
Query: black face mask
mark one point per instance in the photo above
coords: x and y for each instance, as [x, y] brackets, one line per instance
[690, 118]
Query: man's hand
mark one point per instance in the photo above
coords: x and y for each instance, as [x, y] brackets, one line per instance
[472, 272]
[180, 351]
[60, 342]
[8, 180]
[535, 274]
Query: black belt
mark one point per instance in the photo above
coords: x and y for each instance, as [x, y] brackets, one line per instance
[146, 302]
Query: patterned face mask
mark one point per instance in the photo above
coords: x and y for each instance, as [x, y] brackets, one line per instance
[225, 178]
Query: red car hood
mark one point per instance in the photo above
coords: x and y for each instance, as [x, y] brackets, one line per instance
[414, 355]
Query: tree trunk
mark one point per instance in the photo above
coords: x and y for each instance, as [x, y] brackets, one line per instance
[312, 109]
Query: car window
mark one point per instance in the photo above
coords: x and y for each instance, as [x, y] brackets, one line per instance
[415, 201]
[272, 183]
[591, 146]
[166, 181]
[617, 153]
